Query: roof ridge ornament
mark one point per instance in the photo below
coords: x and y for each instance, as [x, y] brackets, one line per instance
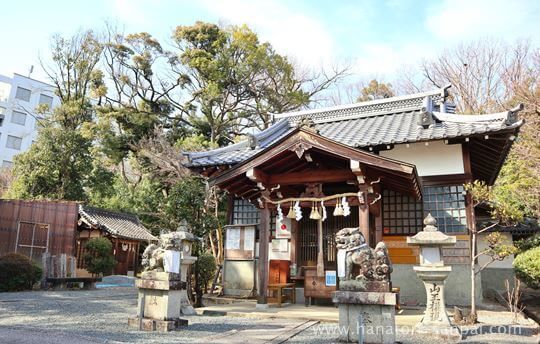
[426, 113]
[308, 124]
[512, 114]
[252, 141]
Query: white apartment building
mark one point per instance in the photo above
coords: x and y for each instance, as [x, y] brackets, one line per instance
[19, 98]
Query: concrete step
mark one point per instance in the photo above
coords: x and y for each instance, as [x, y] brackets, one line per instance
[211, 299]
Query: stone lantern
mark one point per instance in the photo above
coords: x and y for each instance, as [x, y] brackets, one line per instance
[162, 286]
[433, 273]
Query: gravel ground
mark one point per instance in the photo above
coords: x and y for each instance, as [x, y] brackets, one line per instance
[100, 316]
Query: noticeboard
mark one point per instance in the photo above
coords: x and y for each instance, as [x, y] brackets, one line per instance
[330, 280]
[239, 242]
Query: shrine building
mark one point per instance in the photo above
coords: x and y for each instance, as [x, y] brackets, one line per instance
[379, 165]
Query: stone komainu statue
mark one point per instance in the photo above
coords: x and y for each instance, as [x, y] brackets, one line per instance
[152, 257]
[374, 264]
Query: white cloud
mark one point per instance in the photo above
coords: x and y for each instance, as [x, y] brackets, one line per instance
[457, 20]
[290, 32]
[385, 60]
[131, 11]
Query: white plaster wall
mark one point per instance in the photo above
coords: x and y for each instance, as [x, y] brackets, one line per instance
[437, 158]
[27, 132]
[482, 245]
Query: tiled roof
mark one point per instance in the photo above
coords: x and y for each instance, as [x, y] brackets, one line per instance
[362, 125]
[117, 224]
[527, 226]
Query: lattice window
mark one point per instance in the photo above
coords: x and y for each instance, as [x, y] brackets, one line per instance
[402, 214]
[244, 213]
[447, 205]
[32, 239]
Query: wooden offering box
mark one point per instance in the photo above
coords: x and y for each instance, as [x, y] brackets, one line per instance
[315, 286]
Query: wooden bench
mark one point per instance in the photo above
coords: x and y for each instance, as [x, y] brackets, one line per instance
[61, 282]
[277, 288]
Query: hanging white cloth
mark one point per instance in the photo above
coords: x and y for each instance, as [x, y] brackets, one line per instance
[323, 211]
[171, 261]
[298, 211]
[346, 207]
[341, 263]
[279, 213]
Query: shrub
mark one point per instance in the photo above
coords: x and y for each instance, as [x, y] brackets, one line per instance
[205, 268]
[528, 243]
[18, 272]
[527, 267]
[98, 256]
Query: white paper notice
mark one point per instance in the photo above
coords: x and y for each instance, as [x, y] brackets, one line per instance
[249, 239]
[283, 245]
[233, 238]
[341, 258]
[171, 261]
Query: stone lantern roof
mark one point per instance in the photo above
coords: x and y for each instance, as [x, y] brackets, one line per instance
[431, 235]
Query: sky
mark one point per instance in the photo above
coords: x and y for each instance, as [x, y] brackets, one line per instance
[376, 38]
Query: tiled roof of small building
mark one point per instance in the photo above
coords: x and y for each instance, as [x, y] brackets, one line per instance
[117, 224]
[527, 226]
[367, 124]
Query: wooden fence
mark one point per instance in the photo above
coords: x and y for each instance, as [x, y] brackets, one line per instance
[58, 266]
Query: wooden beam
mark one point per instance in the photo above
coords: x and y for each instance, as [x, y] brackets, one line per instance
[311, 176]
[258, 176]
[357, 171]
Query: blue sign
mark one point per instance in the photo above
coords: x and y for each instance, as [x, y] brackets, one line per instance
[331, 280]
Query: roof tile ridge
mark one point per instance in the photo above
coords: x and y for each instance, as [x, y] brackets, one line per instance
[375, 102]
[242, 144]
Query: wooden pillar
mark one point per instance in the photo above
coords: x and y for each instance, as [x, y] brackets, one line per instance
[363, 207]
[115, 252]
[363, 213]
[378, 216]
[471, 218]
[264, 233]
[379, 228]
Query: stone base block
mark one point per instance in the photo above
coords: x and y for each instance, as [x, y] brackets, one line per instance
[363, 285]
[369, 315]
[157, 325]
[187, 310]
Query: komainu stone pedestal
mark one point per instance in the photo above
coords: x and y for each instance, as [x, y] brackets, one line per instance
[162, 297]
[376, 310]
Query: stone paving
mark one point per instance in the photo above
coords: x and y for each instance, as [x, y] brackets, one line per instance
[100, 316]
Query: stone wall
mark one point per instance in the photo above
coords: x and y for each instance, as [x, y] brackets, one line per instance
[493, 278]
[458, 288]
[238, 277]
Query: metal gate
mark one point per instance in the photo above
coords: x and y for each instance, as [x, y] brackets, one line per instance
[32, 239]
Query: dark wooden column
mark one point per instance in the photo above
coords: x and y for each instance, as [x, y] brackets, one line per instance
[471, 218]
[363, 207]
[378, 215]
[264, 233]
[363, 213]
